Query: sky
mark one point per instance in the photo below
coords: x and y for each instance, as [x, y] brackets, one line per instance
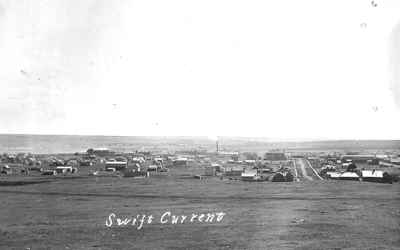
[310, 69]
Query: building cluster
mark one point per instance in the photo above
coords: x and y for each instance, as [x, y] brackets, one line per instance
[357, 166]
[274, 166]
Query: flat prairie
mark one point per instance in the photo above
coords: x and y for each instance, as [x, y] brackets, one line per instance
[71, 213]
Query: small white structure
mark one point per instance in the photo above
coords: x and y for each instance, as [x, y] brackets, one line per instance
[64, 169]
[118, 165]
[376, 176]
[152, 168]
[371, 174]
[159, 160]
[345, 165]
[138, 160]
[349, 176]
[250, 175]
[218, 167]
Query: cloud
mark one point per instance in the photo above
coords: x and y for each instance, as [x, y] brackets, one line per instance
[395, 63]
[184, 67]
[48, 53]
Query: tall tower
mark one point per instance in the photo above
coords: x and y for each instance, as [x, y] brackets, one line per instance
[216, 144]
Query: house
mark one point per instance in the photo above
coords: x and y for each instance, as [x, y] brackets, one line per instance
[134, 167]
[54, 162]
[210, 171]
[250, 162]
[85, 163]
[265, 170]
[100, 152]
[6, 170]
[35, 168]
[333, 175]
[118, 165]
[376, 176]
[135, 174]
[357, 158]
[214, 169]
[218, 167]
[121, 158]
[152, 168]
[63, 169]
[392, 162]
[373, 161]
[159, 160]
[49, 172]
[138, 160]
[250, 175]
[234, 171]
[349, 176]
[343, 176]
[346, 165]
[181, 161]
[327, 168]
[72, 162]
[395, 161]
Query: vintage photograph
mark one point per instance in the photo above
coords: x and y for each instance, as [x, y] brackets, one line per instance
[218, 124]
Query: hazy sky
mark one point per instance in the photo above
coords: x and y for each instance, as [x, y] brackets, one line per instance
[279, 69]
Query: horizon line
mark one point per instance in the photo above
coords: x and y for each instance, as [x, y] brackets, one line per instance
[263, 138]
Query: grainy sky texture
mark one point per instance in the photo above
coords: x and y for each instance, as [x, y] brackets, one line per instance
[306, 69]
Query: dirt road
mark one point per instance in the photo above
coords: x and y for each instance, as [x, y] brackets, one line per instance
[301, 165]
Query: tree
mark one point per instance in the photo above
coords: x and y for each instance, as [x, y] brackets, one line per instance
[352, 167]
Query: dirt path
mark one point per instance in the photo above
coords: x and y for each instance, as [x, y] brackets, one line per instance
[314, 171]
[296, 174]
[303, 169]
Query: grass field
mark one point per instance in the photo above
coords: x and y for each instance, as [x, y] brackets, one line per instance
[70, 213]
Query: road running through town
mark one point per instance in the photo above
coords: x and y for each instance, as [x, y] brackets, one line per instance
[302, 166]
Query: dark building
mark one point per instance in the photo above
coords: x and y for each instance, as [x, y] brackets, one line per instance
[274, 156]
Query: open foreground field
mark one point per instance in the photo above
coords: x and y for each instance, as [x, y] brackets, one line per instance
[71, 213]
